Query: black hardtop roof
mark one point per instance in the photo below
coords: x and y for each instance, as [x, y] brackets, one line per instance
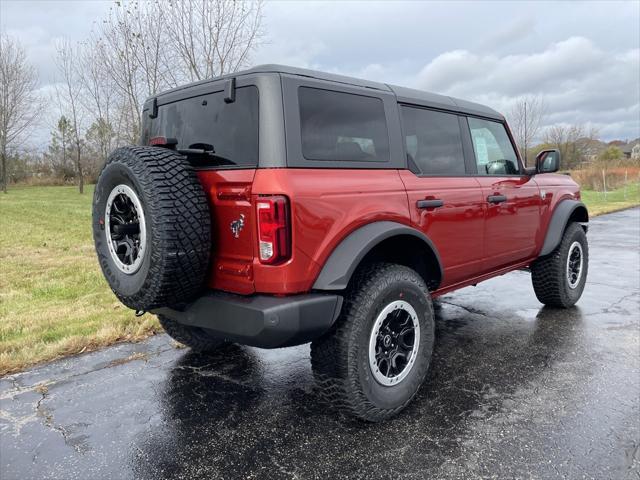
[404, 95]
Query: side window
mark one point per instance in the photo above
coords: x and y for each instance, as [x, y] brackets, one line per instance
[433, 141]
[494, 152]
[337, 126]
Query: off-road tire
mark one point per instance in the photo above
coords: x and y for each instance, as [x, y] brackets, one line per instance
[548, 274]
[178, 226]
[339, 358]
[196, 338]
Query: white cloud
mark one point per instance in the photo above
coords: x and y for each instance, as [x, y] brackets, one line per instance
[583, 57]
[512, 33]
[581, 82]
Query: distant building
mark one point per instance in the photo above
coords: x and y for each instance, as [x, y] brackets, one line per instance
[631, 150]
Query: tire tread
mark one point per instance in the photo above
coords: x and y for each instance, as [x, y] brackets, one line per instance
[548, 273]
[180, 235]
[331, 355]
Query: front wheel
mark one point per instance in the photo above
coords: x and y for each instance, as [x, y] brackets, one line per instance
[373, 361]
[559, 278]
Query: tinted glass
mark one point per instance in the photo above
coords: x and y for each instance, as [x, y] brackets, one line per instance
[433, 141]
[339, 126]
[494, 152]
[204, 121]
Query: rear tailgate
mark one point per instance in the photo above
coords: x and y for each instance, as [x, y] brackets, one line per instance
[220, 138]
[233, 228]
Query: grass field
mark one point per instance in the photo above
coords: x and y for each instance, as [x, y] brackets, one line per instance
[53, 298]
[615, 200]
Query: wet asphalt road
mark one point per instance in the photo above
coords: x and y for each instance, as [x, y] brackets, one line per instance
[515, 391]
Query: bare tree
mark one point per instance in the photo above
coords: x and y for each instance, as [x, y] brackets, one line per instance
[145, 47]
[58, 149]
[19, 104]
[213, 38]
[525, 120]
[575, 142]
[114, 48]
[69, 96]
[563, 137]
[100, 98]
[63, 127]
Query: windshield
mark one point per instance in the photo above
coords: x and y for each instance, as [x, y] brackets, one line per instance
[211, 130]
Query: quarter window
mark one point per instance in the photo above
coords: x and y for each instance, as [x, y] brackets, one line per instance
[494, 152]
[338, 126]
[433, 141]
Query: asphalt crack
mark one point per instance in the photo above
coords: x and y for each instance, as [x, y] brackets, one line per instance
[146, 356]
[48, 422]
[611, 308]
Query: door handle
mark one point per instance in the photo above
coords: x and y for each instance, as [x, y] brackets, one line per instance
[496, 198]
[435, 203]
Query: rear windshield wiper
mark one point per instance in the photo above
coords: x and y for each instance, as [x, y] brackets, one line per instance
[205, 155]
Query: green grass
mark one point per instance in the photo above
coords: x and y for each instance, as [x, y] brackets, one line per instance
[53, 298]
[615, 200]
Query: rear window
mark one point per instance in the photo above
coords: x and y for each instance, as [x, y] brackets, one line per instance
[337, 126]
[433, 141]
[205, 122]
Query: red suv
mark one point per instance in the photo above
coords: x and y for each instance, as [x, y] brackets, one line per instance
[279, 206]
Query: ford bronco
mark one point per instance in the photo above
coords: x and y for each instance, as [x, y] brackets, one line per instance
[279, 206]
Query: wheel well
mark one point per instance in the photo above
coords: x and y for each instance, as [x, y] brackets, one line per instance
[411, 252]
[579, 215]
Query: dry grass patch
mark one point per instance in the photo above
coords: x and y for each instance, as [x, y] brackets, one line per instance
[53, 298]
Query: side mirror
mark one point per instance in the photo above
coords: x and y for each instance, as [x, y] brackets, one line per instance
[548, 161]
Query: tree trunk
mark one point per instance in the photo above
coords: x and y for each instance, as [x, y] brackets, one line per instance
[64, 150]
[79, 166]
[4, 170]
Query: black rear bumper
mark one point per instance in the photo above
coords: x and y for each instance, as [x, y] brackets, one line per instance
[261, 320]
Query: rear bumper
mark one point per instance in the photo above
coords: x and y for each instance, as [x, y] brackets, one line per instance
[261, 320]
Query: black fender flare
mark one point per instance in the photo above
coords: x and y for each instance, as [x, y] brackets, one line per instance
[565, 210]
[346, 257]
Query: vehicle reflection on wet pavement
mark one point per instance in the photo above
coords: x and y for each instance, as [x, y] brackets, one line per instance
[514, 390]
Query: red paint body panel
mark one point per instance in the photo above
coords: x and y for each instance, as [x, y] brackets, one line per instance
[229, 194]
[556, 187]
[456, 228]
[326, 206]
[475, 240]
[511, 228]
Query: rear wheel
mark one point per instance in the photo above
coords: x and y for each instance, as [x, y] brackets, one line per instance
[196, 338]
[374, 359]
[559, 278]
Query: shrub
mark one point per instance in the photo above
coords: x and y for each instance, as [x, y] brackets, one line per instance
[590, 178]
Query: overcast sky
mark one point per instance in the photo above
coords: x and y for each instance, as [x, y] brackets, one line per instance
[584, 57]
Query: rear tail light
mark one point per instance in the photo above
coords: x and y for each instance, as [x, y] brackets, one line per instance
[274, 232]
[163, 142]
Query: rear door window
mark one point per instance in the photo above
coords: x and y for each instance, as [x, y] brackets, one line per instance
[229, 131]
[433, 141]
[494, 151]
[338, 126]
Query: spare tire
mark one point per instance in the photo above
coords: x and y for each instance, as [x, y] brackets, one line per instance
[151, 227]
